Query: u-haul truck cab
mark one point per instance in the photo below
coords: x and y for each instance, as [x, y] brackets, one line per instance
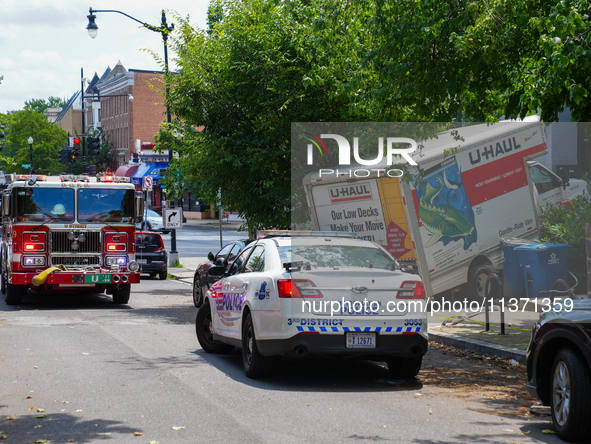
[69, 233]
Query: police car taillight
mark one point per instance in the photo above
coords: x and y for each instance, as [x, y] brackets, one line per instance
[286, 289]
[307, 288]
[411, 290]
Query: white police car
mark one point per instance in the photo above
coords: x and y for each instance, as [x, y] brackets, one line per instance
[319, 294]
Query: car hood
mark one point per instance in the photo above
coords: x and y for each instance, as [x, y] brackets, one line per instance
[581, 312]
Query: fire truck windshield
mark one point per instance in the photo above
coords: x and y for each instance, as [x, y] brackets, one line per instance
[37, 204]
[100, 205]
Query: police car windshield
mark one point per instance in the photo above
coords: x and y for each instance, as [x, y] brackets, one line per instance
[44, 205]
[100, 205]
[330, 256]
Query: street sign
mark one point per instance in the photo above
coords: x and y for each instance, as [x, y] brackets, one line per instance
[148, 182]
[26, 165]
[172, 218]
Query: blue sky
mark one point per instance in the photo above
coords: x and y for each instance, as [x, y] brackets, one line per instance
[43, 44]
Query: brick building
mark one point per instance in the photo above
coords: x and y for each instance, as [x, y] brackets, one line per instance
[129, 106]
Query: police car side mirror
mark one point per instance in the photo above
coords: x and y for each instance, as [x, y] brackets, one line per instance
[217, 271]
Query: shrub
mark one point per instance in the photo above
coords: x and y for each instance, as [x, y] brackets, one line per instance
[565, 224]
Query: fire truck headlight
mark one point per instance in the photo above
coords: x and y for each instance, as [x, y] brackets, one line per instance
[116, 260]
[33, 261]
[133, 266]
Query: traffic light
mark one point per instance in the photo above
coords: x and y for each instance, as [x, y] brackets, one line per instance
[92, 170]
[93, 145]
[76, 150]
[64, 155]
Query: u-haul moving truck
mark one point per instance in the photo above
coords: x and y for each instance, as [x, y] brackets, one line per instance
[451, 222]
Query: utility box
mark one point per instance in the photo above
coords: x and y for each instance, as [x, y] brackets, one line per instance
[513, 281]
[542, 266]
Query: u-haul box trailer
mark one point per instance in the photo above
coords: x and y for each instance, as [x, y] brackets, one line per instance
[479, 185]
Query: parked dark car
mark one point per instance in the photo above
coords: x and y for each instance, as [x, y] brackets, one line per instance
[150, 254]
[202, 281]
[558, 363]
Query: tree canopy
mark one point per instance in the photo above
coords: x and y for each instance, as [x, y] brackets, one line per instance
[40, 105]
[263, 64]
[48, 138]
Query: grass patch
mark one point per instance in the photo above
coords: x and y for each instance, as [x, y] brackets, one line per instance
[176, 264]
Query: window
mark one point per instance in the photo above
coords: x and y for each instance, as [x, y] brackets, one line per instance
[237, 264]
[543, 179]
[44, 204]
[220, 258]
[335, 256]
[234, 252]
[100, 205]
[256, 261]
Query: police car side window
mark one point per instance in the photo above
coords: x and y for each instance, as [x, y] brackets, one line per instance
[234, 252]
[237, 264]
[256, 261]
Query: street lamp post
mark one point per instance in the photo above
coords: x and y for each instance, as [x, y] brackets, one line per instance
[163, 29]
[30, 154]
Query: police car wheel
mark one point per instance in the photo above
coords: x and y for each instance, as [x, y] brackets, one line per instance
[405, 367]
[255, 364]
[204, 331]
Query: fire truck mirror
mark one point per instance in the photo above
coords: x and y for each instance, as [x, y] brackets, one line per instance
[139, 208]
[6, 204]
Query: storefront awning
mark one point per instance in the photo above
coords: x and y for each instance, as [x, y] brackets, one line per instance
[148, 169]
[126, 170]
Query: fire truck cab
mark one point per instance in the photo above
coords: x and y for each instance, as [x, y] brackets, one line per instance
[69, 233]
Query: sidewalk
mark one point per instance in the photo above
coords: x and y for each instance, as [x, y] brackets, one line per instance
[460, 330]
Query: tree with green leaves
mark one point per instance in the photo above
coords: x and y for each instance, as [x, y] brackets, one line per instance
[436, 60]
[40, 105]
[234, 98]
[47, 140]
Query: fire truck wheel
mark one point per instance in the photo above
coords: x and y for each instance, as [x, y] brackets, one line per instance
[2, 282]
[121, 294]
[13, 294]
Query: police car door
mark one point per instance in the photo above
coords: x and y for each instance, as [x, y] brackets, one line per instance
[225, 318]
[249, 282]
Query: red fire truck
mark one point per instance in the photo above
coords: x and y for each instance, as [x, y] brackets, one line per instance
[69, 233]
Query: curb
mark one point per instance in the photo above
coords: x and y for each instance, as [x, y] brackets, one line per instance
[477, 346]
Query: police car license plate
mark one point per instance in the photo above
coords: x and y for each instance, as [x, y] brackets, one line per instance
[361, 340]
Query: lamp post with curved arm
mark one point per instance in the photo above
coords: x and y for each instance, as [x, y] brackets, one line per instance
[163, 29]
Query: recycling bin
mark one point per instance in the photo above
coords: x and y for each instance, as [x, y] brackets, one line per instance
[542, 265]
[513, 281]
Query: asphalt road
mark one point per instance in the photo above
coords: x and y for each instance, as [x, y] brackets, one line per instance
[198, 240]
[102, 373]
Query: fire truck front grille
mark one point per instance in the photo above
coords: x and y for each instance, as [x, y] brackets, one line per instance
[80, 261]
[83, 242]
